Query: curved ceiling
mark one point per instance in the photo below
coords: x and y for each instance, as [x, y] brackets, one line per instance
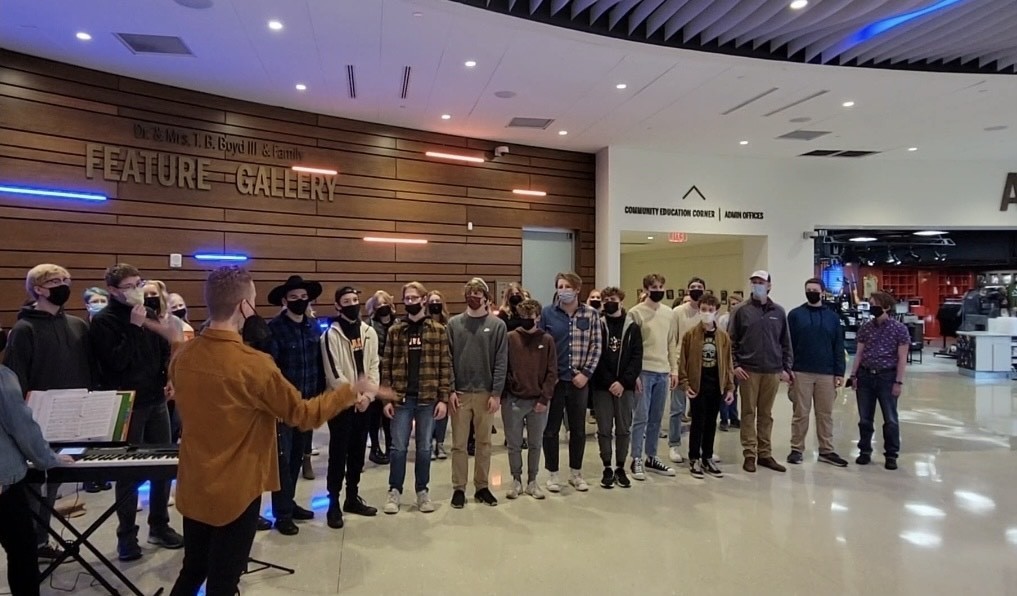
[975, 36]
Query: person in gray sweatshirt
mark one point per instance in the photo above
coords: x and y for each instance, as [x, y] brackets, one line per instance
[479, 366]
[761, 346]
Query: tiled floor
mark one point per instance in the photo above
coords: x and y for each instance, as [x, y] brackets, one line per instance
[945, 523]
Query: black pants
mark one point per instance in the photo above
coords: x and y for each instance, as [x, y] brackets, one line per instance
[377, 422]
[290, 442]
[216, 554]
[150, 425]
[566, 396]
[705, 409]
[17, 536]
[347, 442]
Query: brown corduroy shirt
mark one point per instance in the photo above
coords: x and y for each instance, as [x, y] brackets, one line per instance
[229, 396]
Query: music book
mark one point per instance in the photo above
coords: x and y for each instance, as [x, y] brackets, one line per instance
[68, 415]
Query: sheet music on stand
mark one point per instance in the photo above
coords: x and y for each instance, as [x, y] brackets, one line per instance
[78, 415]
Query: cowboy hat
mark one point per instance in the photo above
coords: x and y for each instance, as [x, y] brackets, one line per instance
[295, 282]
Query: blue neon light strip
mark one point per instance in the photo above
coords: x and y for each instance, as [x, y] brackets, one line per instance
[880, 27]
[218, 257]
[56, 194]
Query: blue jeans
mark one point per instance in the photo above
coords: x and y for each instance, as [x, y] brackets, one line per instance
[406, 414]
[674, 422]
[441, 430]
[873, 389]
[729, 412]
[649, 413]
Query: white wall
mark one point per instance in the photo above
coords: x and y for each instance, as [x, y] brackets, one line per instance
[796, 195]
[719, 263]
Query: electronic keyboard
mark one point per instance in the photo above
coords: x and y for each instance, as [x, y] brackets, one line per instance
[113, 464]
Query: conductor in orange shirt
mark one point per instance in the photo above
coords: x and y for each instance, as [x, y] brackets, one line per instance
[230, 396]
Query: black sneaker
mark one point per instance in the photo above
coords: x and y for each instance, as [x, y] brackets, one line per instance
[167, 538]
[48, 552]
[620, 478]
[711, 469]
[736, 424]
[334, 516]
[486, 497]
[863, 459]
[458, 499]
[696, 467]
[654, 464]
[891, 463]
[724, 426]
[833, 459]
[286, 527]
[607, 480]
[795, 457]
[357, 506]
[263, 524]
[378, 457]
[301, 514]
[128, 548]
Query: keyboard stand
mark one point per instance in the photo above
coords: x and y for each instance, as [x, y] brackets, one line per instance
[72, 549]
[264, 565]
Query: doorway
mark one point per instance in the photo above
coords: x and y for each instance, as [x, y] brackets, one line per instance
[545, 254]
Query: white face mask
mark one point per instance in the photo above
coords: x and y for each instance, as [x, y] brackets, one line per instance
[134, 297]
[759, 291]
[708, 317]
[567, 296]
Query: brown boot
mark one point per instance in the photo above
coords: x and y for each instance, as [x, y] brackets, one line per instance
[769, 462]
[308, 469]
[749, 465]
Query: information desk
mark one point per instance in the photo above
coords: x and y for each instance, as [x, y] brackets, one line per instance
[985, 355]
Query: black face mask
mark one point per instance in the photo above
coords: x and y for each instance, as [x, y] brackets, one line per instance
[435, 308]
[515, 299]
[298, 307]
[414, 309]
[255, 330]
[153, 303]
[595, 304]
[656, 295]
[383, 312]
[876, 311]
[527, 324]
[59, 295]
[180, 313]
[3, 340]
[813, 297]
[351, 311]
[696, 294]
[611, 308]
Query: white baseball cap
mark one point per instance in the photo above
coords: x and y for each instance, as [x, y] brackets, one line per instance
[761, 274]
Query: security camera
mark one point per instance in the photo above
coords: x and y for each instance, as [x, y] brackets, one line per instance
[501, 150]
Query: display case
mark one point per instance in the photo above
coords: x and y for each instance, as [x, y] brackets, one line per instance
[984, 355]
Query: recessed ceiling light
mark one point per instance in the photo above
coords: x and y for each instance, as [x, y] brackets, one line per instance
[912, 148]
[863, 239]
[418, 14]
[743, 142]
[563, 132]
[301, 87]
[275, 25]
[930, 233]
[799, 4]
[649, 237]
[446, 116]
[83, 36]
[504, 94]
[848, 104]
[621, 86]
[470, 63]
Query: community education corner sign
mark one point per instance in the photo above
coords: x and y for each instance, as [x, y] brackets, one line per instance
[1009, 192]
[689, 213]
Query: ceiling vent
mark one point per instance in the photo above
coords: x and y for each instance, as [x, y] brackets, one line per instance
[154, 44]
[351, 82]
[804, 135]
[405, 89]
[540, 123]
[837, 153]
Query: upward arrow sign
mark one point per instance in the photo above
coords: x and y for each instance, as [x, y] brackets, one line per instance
[693, 190]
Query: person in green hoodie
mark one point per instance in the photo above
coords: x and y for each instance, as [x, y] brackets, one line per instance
[49, 349]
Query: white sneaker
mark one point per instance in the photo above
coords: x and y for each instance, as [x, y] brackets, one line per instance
[424, 504]
[554, 483]
[577, 482]
[663, 434]
[638, 472]
[392, 506]
[533, 489]
[516, 490]
[675, 455]
[440, 451]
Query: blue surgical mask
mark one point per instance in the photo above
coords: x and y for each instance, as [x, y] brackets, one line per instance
[567, 296]
[759, 291]
[94, 309]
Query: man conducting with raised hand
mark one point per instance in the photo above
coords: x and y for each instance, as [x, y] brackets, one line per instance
[230, 396]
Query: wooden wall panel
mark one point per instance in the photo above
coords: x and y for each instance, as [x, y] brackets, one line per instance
[50, 112]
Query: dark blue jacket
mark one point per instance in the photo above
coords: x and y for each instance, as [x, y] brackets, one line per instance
[818, 340]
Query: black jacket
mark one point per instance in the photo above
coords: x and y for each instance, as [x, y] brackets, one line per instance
[49, 351]
[627, 365]
[128, 357]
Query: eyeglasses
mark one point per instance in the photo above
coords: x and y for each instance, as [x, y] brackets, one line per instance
[412, 299]
[138, 286]
[56, 281]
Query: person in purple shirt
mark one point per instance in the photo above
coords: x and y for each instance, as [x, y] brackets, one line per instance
[878, 377]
